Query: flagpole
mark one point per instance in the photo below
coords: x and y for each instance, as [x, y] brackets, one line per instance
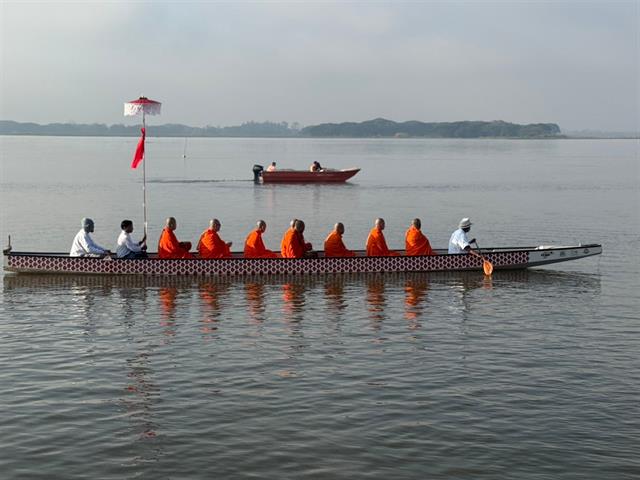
[144, 181]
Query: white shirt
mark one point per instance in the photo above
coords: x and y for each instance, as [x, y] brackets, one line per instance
[83, 246]
[458, 241]
[126, 245]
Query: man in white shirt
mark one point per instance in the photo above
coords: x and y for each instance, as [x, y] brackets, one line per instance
[459, 243]
[83, 245]
[127, 247]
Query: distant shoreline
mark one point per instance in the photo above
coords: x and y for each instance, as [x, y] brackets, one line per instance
[378, 128]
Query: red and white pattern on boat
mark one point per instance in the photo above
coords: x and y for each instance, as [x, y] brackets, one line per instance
[61, 264]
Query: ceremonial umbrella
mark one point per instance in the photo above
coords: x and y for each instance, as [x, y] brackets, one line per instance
[147, 107]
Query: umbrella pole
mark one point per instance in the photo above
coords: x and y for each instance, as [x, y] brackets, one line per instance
[144, 182]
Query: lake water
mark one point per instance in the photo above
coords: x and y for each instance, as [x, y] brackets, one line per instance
[527, 375]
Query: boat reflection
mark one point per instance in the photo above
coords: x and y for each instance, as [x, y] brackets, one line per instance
[171, 295]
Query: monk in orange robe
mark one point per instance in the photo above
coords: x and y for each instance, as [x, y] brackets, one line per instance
[333, 244]
[169, 246]
[211, 245]
[293, 244]
[376, 244]
[416, 243]
[254, 246]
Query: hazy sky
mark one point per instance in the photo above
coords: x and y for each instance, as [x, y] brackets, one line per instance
[575, 63]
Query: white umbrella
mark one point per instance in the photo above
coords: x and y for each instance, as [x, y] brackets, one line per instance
[147, 107]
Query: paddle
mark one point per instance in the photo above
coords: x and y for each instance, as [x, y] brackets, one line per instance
[487, 266]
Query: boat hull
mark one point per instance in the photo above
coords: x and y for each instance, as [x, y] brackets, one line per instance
[301, 176]
[25, 262]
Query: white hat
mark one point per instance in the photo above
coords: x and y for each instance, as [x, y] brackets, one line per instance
[464, 223]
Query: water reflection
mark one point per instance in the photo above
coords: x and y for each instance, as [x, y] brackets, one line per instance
[141, 392]
[212, 297]
[168, 303]
[132, 302]
[168, 297]
[415, 295]
[293, 302]
[254, 292]
[334, 293]
[376, 300]
[145, 296]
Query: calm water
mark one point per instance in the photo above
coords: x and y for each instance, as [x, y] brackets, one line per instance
[531, 374]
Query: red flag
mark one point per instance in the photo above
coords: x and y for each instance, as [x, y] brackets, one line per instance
[139, 155]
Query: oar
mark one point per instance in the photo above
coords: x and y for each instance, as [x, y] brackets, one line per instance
[487, 266]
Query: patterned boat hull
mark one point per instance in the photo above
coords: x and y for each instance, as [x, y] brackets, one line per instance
[515, 258]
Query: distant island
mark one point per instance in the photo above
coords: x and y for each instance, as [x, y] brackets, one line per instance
[381, 127]
[377, 128]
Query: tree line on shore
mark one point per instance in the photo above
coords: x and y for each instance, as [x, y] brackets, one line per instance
[377, 128]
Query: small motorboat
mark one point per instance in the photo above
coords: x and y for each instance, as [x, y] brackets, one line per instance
[326, 175]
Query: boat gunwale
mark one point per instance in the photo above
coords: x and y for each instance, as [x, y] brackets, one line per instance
[487, 251]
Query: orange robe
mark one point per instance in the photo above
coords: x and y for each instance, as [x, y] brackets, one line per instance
[334, 246]
[254, 246]
[305, 245]
[416, 243]
[212, 246]
[170, 247]
[377, 245]
[292, 245]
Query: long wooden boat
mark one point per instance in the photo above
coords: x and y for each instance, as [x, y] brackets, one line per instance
[305, 176]
[502, 259]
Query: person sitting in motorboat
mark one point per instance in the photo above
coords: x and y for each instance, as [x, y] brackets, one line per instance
[211, 245]
[83, 245]
[127, 247]
[169, 246]
[459, 241]
[333, 244]
[416, 242]
[315, 167]
[272, 167]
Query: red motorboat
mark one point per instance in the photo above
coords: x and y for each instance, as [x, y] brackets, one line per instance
[325, 175]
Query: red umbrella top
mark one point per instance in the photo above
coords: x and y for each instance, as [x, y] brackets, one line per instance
[142, 104]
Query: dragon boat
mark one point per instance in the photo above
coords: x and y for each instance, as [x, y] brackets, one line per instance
[506, 258]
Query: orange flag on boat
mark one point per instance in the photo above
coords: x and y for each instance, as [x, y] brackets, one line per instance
[139, 155]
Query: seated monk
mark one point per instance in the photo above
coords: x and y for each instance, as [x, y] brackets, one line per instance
[416, 243]
[211, 245]
[254, 246]
[169, 246]
[376, 244]
[333, 244]
[293, 244]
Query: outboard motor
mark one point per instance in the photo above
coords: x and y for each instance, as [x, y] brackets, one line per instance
[257, 173]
